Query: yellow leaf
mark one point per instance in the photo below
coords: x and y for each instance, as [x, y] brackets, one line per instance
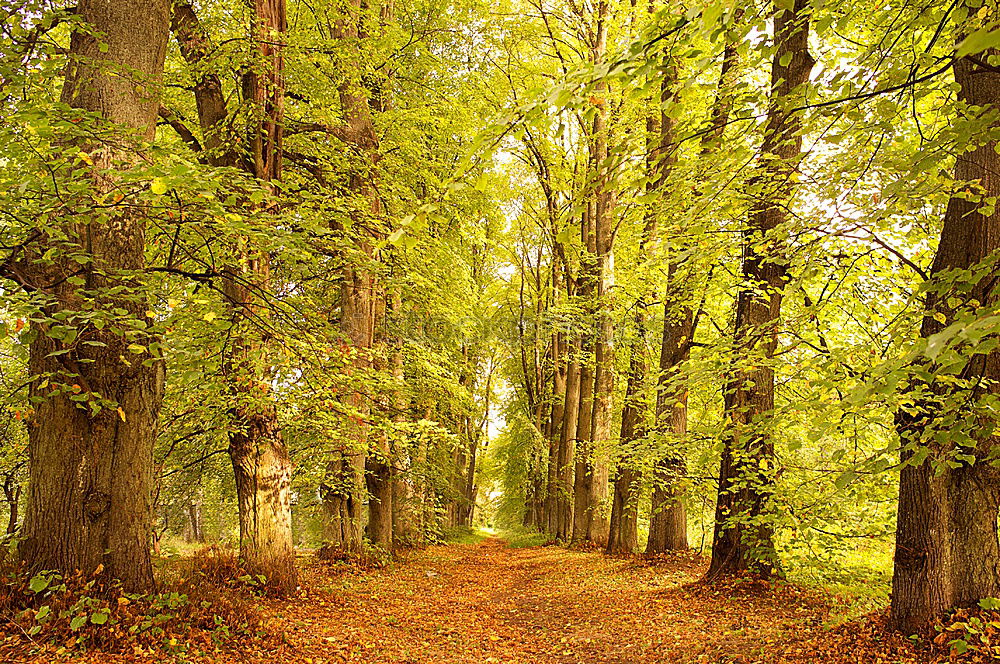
[939, 317]
[121, 413]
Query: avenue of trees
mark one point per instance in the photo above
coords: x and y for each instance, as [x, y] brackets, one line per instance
[640, 276]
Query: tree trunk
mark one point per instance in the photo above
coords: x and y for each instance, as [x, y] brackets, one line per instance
[90, 489]
[585, 419]
[567, 446]
[261, 465]
[668, 517]
[12, 494]
[743, 536]
[379, 462]
[555, 428]
[947, 551]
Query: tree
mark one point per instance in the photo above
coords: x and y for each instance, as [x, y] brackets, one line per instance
[947, 550]
[260, 459]
[89, 499]
[743, 538]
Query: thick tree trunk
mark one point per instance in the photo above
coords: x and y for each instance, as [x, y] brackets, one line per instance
[263, 473]
[947, 551]
[90, 493]
[261, 465]
[743, 537]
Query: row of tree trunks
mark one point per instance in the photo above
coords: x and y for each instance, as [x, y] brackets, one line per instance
[89, 500]
[743, 535]
[947, 550]
[668, 516]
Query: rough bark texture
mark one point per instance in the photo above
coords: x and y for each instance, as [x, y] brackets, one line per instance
[947, 552]
[743, 537]
[90, 494]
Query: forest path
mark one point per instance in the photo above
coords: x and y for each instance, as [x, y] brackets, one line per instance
[486, 602]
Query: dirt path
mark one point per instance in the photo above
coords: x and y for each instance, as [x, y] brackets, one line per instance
[489, 603]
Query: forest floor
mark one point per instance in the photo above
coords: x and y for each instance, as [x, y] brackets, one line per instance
[487, 602]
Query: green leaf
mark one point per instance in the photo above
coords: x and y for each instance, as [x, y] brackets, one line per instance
[979, 41]
[77, 622]
[844, 479]
[99, 618]
[158, 186]
[39, 582]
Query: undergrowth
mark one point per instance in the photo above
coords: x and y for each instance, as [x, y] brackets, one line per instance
[464, 535]
[521, 538]
[208, 610]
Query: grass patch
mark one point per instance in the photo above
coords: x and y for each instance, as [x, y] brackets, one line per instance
[464, 535]
[859, 580]
[521, 538]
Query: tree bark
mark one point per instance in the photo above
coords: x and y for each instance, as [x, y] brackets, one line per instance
[743, 534]
[556, 425]
[90, 489]
[668, 516]
[947, 551]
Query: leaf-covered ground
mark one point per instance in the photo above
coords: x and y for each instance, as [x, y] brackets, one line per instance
[487, 602]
